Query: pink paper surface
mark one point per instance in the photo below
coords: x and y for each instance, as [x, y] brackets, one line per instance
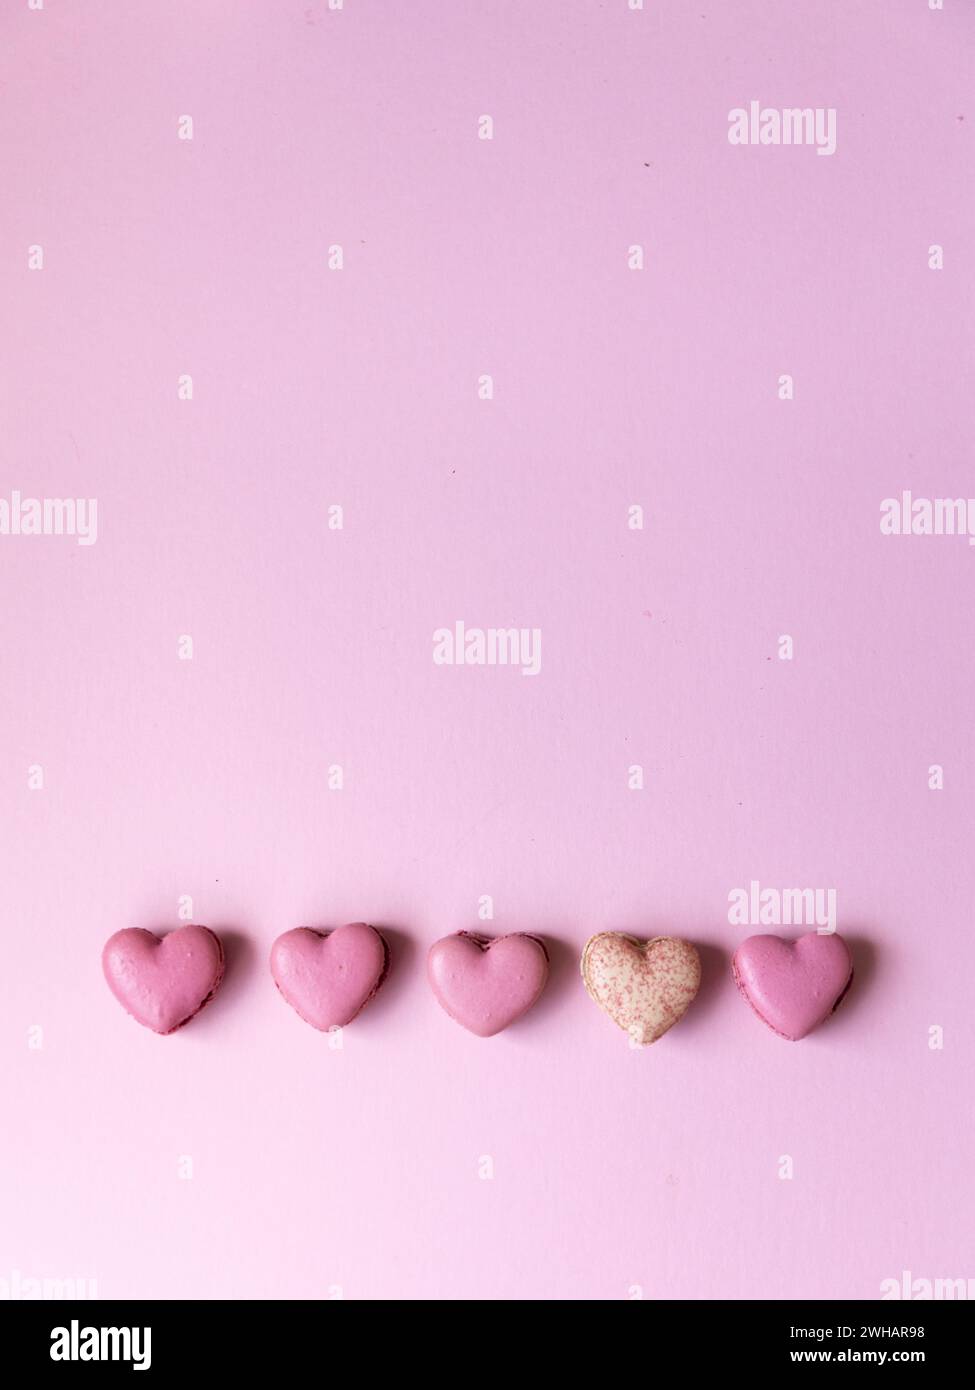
[364, 1171]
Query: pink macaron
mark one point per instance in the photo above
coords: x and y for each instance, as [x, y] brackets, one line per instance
[329, 977]
[793, 985]
[486, 983]
[163, 982]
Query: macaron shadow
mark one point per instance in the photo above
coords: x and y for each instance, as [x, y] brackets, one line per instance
[400, 953]
[865, 968]
[238, 956]
[715, 978]
[563, 967]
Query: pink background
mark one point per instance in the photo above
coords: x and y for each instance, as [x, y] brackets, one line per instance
[613, 1168]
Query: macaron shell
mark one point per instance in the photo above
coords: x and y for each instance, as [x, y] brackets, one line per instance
[793, 985]
[485, 984]
[645, 986]
[163, 981]
[329, 977]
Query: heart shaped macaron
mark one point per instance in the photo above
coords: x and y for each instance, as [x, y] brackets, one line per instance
[793, 985]
[163, 981]
[487, 983]
[644, 986]
[329, 977]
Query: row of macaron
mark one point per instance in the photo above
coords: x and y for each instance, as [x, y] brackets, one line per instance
[483, 983]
